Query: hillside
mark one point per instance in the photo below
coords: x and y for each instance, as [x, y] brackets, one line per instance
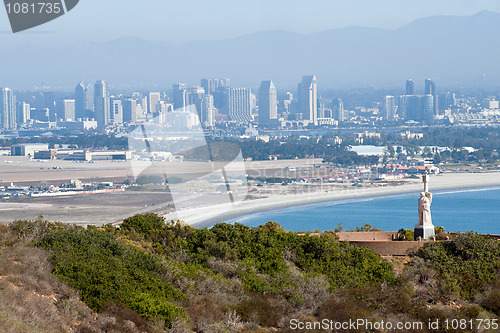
[453, 50]
[152, 276]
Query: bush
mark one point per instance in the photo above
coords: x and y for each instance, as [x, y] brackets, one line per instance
[106, 271]
[466, 264]
[144, 224]
[263, 250]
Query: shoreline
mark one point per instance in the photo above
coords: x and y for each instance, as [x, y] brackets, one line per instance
[208, 216]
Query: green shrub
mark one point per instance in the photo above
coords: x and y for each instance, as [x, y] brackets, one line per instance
[106, 271]
[465, 264]
[262, 251]
[144, 224]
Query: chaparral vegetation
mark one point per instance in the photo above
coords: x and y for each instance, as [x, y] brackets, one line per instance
[151, 275]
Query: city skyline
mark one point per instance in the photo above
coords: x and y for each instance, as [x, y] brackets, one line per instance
[267, 107]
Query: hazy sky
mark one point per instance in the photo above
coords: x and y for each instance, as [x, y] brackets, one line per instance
[182, 21]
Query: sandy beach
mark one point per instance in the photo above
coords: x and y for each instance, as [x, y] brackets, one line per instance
[203, 207]
[209, 215]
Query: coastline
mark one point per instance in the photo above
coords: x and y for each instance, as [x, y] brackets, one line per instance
[207, 216]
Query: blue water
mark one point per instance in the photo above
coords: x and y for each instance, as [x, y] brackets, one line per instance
[475, 210]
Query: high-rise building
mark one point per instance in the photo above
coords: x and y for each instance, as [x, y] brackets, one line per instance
[101, 101]
[217, 88]
[268, 102]
[412, 108]
[180, 96]
[210, 85]
[7, 109]
[389, 108]
[144, 105]
[23, 113]
[308, 99]
[195, 96]
[208, 111]
[129, 110]
[428, 106]
[410, 87]
[66, 109]
[430, 89]
[419, 108]
[324, 109]
[116, 110]
[338, 110]
[446, 101]
[286, 106]
[239, 104]
[84, 101]
[154, 102]
[213, 85]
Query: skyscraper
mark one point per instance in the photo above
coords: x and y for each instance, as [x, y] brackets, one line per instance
[410, 87]
[389, 111]
[101, 100]
[195, 96]
[129, 110]
[84, 101]
[446, 101]
[419, 108]
[430, 89]
[268, 102]
[210, 85]
[7, 109]
[429, 109]
[66, 109]
[180, 96]
[23, 113]
[208, 111]
[154, 102]
[413, 109]
[338, 110]
[239, 104]
[308, 98]
[116, 110]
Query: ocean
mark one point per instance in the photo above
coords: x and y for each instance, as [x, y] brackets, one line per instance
[464, 210]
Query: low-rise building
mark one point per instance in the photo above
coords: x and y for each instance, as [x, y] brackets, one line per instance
[28, 149]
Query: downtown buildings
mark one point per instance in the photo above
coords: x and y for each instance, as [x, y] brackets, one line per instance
[418, 108]
[216, 105]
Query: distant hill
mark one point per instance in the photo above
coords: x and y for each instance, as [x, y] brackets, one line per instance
[452, 50]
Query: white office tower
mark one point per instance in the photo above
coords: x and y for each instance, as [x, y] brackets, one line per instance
[66, 110]
[154, 102]
[101, 100]
[116, 110]
[308, 98]
[268, 102]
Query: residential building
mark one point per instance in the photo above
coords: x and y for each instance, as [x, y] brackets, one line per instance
[7, 109]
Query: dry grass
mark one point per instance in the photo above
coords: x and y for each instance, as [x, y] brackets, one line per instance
[34, 300]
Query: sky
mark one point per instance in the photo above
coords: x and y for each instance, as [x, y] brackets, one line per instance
[180, 21]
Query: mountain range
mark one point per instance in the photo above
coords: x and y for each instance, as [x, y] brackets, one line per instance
[452, 50]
